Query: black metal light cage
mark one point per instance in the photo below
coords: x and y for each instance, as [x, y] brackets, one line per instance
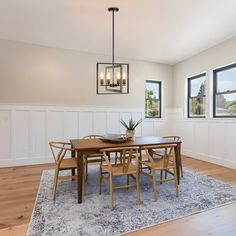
[112, 78]
[112, 85]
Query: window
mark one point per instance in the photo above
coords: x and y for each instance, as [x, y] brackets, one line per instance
[196, 96]
[224, 89]
[153, 99]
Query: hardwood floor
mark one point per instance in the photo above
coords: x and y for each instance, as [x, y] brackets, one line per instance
[18, 230]
[18, 190]
[19, 185]
[216, 222]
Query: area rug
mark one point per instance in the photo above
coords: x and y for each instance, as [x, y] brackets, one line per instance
[93, 217]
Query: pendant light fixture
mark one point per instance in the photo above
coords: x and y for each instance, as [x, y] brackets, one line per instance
[112, 78]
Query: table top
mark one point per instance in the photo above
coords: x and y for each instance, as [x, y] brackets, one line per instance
[97, 144]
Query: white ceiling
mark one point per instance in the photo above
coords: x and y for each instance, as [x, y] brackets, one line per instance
[166, 31]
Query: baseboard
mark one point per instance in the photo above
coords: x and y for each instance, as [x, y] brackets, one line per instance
[25, 161]
[211, 159]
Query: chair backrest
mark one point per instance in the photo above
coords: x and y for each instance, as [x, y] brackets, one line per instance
[59, 150]
[93, 136]
[166, 156]
[174, 138]
[127, 154]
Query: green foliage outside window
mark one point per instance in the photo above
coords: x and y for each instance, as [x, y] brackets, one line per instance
[196, 95]
[197, 104]
[152, 99]
[225, 107]
[224, 79]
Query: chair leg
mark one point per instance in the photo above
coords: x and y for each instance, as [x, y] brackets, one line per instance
[73, 173]
[84, 183]
[111, 192]
[100, 180]
[181, 167]
[154, 185]
[127, 180]
[138, 188]
[161, 177]
[165, 174]
[55, 184]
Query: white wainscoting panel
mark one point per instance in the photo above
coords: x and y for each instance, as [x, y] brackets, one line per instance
[55, 125]
[216, 139]
[71, 125]
[22, 140]
[162, 128]
[188, 135]
[113, 124]
[148, 128]
[38, 133]
[230, 141]
[211, 140]
[201, 137]
[100, 123]
[85, 123]
[26, 130]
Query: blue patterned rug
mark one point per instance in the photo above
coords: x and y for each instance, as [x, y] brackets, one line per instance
[93, 217]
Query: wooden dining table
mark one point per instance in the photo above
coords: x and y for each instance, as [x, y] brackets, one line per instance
[89, 146]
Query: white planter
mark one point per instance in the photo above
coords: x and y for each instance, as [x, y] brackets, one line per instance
[130, 134]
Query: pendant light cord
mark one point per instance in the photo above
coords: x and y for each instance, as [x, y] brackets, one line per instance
[113, 9]
[113, 37]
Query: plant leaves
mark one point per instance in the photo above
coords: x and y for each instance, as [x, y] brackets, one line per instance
[131, 125]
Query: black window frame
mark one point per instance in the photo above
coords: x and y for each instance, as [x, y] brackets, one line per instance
[189, 95]
[160, 99]
[215, 89]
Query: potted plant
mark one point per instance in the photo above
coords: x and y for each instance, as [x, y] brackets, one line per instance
[130, 127]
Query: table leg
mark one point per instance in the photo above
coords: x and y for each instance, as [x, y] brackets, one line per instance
[177, 157]
[80, 181]
[140, 159]
[180, 161]
[73, 170]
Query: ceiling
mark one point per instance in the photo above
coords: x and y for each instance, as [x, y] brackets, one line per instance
[166, 31]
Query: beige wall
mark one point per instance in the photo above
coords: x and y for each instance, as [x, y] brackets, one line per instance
[220, 55]
[31, 74]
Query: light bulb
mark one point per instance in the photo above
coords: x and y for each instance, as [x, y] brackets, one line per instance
[118, 75]
[124, 79]
[101, 79]
[108, 76]
[124, 75]
[118, 78]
